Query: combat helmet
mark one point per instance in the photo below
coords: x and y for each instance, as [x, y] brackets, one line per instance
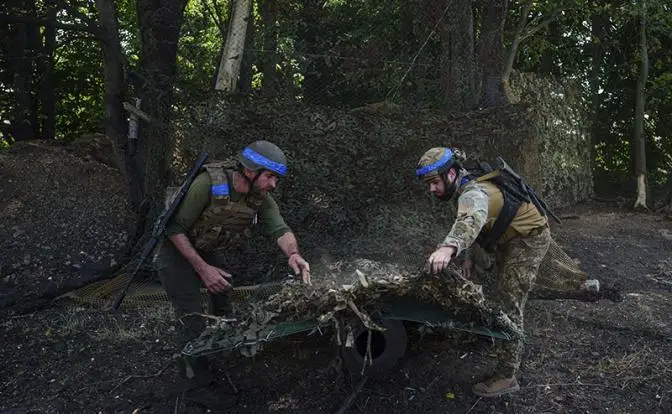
[439, 161]
[263, 155]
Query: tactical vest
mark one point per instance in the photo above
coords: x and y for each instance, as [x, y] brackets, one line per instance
[225, 224]
[513, 213]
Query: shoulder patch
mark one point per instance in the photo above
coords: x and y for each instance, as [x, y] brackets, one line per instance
[220, 190]
[219, 182]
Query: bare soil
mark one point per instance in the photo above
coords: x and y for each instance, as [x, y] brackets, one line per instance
[580, 357]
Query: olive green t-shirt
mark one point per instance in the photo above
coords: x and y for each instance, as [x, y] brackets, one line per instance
[198, 198]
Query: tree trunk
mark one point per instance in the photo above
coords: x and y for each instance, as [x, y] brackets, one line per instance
[223, 26]
[234, 47]
[115, 89]
[548, 65]
[269, 13]
[599, 23]
[21, 67]
[47, 85]
[491, 51]
[458, 66]
[315, 72]
[513, 51]
[639, 138]
[245, 83]
[32, 65]
[160, 22]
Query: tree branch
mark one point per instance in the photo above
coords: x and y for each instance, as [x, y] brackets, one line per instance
[74, 11]
[511, 57]
[539, 26]
[532, 28]
[93, 29]
[216, 16]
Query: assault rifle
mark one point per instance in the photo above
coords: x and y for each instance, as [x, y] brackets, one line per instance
[160, 225]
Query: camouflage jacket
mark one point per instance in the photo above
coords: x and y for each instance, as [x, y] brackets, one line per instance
[471, 216]
[478, 204]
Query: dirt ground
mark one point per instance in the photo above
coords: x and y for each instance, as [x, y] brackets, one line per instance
[580, 357]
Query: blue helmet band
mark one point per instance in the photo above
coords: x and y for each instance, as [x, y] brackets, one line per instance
[447, 156]
[257, 158]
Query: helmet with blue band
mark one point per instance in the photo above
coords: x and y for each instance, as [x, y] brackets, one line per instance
[264, 155]
[434, 162]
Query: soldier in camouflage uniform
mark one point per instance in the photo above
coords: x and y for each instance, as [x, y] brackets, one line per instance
[210, 229]
[520, 241]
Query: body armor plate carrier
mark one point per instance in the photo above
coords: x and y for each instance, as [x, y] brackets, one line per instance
[225, 224]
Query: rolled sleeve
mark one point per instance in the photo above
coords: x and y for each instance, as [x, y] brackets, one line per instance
[272, 223]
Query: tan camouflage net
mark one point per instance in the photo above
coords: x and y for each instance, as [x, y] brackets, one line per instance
[358, 286]
[558, 272]
[344, 293]
[141, 294]
[350, 294]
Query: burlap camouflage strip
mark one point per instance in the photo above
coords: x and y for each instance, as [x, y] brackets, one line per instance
[368, 284]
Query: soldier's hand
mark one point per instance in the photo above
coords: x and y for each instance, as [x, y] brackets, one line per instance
[440, 259]
[467, 267]
[300, 266]
[215, 279]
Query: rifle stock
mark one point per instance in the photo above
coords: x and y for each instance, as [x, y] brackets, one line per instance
[160, 226]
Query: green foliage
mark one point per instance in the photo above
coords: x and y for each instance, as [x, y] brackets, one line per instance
[199, 48]
[347, 53]
[571, 50]
[79, 85]
[5, 143]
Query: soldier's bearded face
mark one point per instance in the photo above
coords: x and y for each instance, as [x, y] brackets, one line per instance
[267, 181]
[437, 187]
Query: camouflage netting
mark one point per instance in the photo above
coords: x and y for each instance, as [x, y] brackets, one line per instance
[351, 293]
[351, 196]
[360, 285]
[351, 190]
[563, 173]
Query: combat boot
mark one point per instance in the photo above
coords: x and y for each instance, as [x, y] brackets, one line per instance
[199, 388]
[496, 387]
[194, 372]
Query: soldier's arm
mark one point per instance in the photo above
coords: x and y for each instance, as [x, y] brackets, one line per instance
[472, 214]
[191, 207]
[274, 226]
[272, 223]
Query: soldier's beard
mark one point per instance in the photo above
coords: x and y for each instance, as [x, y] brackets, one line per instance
[445, 196]
[449, 189]
[258, 191]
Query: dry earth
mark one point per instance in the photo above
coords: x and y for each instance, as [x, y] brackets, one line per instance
[580, 358]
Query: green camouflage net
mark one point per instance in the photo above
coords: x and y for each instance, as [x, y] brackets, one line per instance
[353, 292]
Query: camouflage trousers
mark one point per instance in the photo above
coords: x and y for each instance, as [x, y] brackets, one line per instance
[517, 262]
